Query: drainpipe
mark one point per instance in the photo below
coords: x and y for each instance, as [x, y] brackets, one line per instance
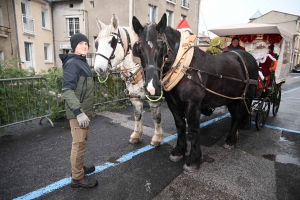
[134, 7]
[53, 37]
[16, 26]
[130, 13]
[198, 22]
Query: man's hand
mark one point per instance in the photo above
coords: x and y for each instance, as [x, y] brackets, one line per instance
[83, 120]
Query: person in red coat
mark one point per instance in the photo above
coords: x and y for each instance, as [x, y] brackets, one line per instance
[266, 59]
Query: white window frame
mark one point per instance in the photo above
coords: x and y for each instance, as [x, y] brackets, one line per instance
[92, 4]
[68, 25]
[46, 17]
[1, 17]
[183, 2]
[170, 18]
[1, 55]
[152, 13]
[27, 8]
[47, 52]
[172, 1]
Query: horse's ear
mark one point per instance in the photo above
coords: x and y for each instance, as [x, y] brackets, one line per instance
[162, 24]
[137, 27]
[114, 21]
[100, 24]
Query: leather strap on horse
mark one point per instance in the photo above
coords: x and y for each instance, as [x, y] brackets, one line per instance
[247, 82]
[128, 41]
[184, 57]
[133, 78]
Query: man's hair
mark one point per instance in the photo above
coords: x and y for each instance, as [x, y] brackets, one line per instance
[235, 38]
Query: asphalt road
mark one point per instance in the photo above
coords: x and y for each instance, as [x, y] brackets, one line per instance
[265, 164]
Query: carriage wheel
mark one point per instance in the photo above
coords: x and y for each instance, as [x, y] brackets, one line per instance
[276, 101]
[262, 113]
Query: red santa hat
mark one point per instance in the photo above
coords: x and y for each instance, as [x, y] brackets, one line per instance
[183, 26]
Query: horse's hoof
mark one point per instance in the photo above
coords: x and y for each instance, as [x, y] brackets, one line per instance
[176, 158]
[155, 143]
[227, 146]
[134, 140]
[190, 169]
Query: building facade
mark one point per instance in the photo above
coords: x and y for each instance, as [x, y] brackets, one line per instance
[26, 33]
[71, 16]
[34, 23]
[288, 22]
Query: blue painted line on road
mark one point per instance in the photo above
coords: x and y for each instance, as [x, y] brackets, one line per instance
[278, 128]
[66, 181]
[129, 156]
[282, 129]
[291, 98]
[290, 90]
[214, 120]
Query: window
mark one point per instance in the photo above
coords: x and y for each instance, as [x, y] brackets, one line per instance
[1, 55]
[185, 3]
[27, 20]
[152, 13]
[172, 1]
[170, 17]
[183, 17]
[47, 52]
[72, 26]
[92, 4]
[27, 51]
[1, 17]
[45, 18]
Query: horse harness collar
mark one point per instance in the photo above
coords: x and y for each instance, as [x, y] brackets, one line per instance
[183, 58]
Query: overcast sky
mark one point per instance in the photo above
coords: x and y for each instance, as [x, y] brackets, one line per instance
[215, 13]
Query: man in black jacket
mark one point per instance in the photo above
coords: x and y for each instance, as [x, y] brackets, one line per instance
[78, 93]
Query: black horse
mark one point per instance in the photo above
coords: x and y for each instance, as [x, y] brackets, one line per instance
[210, 81]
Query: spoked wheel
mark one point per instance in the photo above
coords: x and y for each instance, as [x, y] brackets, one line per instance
[262, 113]
[276, 101]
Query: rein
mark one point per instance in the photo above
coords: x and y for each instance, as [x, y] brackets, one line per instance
[247, 82]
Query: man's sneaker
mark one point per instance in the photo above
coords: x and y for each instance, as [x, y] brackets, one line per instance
[88, 170]
[85, 182]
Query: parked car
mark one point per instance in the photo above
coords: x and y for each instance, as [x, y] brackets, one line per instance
[296, 69]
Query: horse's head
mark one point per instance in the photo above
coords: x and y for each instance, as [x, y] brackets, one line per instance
[109, 47]
[152, 48]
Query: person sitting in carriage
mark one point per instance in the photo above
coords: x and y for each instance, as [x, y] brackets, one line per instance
[265, 59]
[235, 44]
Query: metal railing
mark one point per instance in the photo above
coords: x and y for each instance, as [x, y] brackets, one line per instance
[27, 99]
[28, 24]
[23, 99]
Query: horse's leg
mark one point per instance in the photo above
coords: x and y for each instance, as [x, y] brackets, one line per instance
[136, 136]
[236, 109]
[194, 159]
[179, 151]
[156, 116]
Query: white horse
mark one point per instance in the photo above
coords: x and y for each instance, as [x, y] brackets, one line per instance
[113, 46]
